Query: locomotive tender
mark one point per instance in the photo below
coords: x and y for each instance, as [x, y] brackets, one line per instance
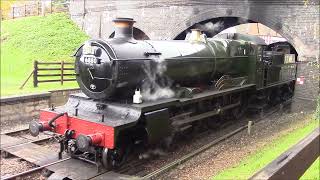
[145, 92]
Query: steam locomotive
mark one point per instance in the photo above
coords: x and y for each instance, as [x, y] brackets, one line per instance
[145, 92]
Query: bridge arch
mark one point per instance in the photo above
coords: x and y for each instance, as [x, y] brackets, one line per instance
[235, 17]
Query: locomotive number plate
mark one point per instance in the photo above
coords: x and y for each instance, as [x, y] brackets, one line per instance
[90, 60]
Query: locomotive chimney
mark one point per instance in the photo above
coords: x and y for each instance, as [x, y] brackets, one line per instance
[124, 28]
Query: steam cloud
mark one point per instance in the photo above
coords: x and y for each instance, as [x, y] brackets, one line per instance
[210, 28]
[152, 153]
[156, 85]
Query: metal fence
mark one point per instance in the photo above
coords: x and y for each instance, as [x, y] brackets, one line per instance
[35, 9]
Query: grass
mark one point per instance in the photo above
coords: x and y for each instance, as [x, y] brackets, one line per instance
[51, 38]
[317, 114]
[313, 171]
[259, 159]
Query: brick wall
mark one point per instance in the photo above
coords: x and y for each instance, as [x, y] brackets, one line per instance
[309, 90]
[296, 20]
[22, 109]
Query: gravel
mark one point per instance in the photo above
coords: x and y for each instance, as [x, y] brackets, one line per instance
[13, 165]
[233, 150]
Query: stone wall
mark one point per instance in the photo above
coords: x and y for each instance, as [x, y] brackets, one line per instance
[60, 97]
[22, 109]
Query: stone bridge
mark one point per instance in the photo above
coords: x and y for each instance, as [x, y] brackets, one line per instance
[295, 20]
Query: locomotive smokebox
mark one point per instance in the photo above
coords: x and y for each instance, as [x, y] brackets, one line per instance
[124, 28]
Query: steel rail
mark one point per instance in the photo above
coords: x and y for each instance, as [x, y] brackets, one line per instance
[33, 141]
[33, 170]
[186, 157]
[190, 155]
[15, 131]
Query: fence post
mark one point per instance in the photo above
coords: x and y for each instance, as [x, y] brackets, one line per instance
[38, 6]
[62, 67]
[25, 10]
[43, 8]
[50, 6]
[35, 74]
[12, 12]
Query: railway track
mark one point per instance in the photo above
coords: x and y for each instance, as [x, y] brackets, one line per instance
[132, 169]
[16, 131]
[20, 137]
[19, 144]
[33, 170]
[188, 156]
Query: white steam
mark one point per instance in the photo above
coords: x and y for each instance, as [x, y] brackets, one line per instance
[157, 93]
[210, 28]
[152, 153]
[156, 85]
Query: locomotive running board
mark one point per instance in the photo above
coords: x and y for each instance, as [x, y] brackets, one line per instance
[215, 93]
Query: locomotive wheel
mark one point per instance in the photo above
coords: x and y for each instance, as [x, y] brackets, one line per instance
[286, 93]
[213, 123]
[274, 97]
[113, 159]
[169, 142]
[196, 127]
[238, 112]
[106, 158]
[116, 157]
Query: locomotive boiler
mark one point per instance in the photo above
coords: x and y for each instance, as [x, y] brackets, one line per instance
[144, 92]
[115, 68]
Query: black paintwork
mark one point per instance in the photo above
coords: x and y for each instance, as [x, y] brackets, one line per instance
[132, 64]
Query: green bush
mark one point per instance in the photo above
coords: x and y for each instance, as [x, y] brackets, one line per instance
[54, 37]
